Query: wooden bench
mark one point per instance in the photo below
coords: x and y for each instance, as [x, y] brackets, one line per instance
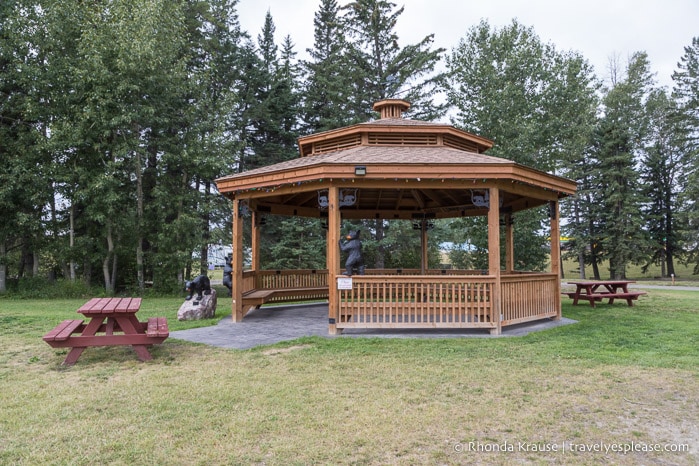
[157, 327]
[256, 298]
[63, 331]
[596, 297]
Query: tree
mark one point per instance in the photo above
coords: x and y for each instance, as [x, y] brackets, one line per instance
[686, 94]
[535, 103]
[380, 68]
[25, 172]
[209, 136]
[327, 86]
[127, 82]
[272, 106]
[663, 174]
[618, 141]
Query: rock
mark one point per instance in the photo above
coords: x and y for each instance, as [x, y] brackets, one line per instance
[194, 309]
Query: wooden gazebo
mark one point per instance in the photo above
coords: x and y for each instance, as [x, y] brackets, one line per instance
[395, 168]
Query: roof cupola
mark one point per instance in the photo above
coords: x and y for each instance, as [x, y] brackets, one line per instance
[391, 108]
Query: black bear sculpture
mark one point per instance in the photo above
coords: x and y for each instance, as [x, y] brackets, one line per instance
[353, 245]
[228, 275]
[200, 285]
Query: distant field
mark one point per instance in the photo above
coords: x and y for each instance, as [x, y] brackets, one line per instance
[682, 272]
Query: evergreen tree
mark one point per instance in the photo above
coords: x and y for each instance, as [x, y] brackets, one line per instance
[327, 86]
[299, 243]
[214, 67]
[618, 141]
[663, 172]
[270, 125]
[686, 94]
[380, 68]
[273, 116]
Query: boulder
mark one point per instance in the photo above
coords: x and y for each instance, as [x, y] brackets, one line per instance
[195, 309]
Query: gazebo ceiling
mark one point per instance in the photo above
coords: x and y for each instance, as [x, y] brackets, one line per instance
[411, 169]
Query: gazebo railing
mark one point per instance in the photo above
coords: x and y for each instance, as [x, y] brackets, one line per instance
[434, 301]
[402, 298]
[526, 297]
[284, 279]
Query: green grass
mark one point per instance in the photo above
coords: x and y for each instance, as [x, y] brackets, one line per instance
[619, 375]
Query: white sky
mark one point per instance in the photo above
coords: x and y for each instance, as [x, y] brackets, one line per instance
[598, 29]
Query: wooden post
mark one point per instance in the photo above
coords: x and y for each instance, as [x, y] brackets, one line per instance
[424, 259]
[494, 257]
[237, 263]
[333, 258]
[255, 259]
[556, 253]
[509, 244]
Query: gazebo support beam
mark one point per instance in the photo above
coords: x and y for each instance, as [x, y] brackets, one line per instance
[556, 251]
[509, 244]
[494, 257]
[424, 259]
[237, 263]
[333, 257]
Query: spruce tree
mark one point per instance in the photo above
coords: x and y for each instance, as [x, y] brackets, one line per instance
[664, 174]
[273, 114]
[686, 94]
[618, 142]
[380, 68]
[327, 87]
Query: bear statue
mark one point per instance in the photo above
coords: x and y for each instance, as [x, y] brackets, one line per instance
[354, 247]
[200, 285]
[228, 275]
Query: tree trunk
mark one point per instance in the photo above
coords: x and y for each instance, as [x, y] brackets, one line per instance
[71, 266]
[380, 261]
[595, 265]
[87, 272]
[114, 272]
[669, 243]
[139, 223]
[204, 266]
[3, 267]
[662, 263]
[108, 275]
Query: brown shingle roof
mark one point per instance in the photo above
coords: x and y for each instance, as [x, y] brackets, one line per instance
[380, 155]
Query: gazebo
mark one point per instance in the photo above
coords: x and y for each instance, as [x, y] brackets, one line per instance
[396, 168]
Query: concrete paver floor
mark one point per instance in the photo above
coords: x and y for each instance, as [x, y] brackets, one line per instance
[273, 324]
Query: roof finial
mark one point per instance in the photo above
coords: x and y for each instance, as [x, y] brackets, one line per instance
[391, 108]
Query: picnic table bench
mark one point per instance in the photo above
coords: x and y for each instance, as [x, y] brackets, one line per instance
[112, 322]
[594, 291]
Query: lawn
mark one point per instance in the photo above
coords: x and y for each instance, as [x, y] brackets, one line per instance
[620, 379]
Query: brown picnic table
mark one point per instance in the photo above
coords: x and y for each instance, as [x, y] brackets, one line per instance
[112, 322]
[598, 290]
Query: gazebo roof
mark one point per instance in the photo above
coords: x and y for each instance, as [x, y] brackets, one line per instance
[411, 167]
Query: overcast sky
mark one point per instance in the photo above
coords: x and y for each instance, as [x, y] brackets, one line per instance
[598, 29]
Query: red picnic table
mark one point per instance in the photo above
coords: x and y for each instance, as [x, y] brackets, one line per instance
[598, 290]
[112, 322]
